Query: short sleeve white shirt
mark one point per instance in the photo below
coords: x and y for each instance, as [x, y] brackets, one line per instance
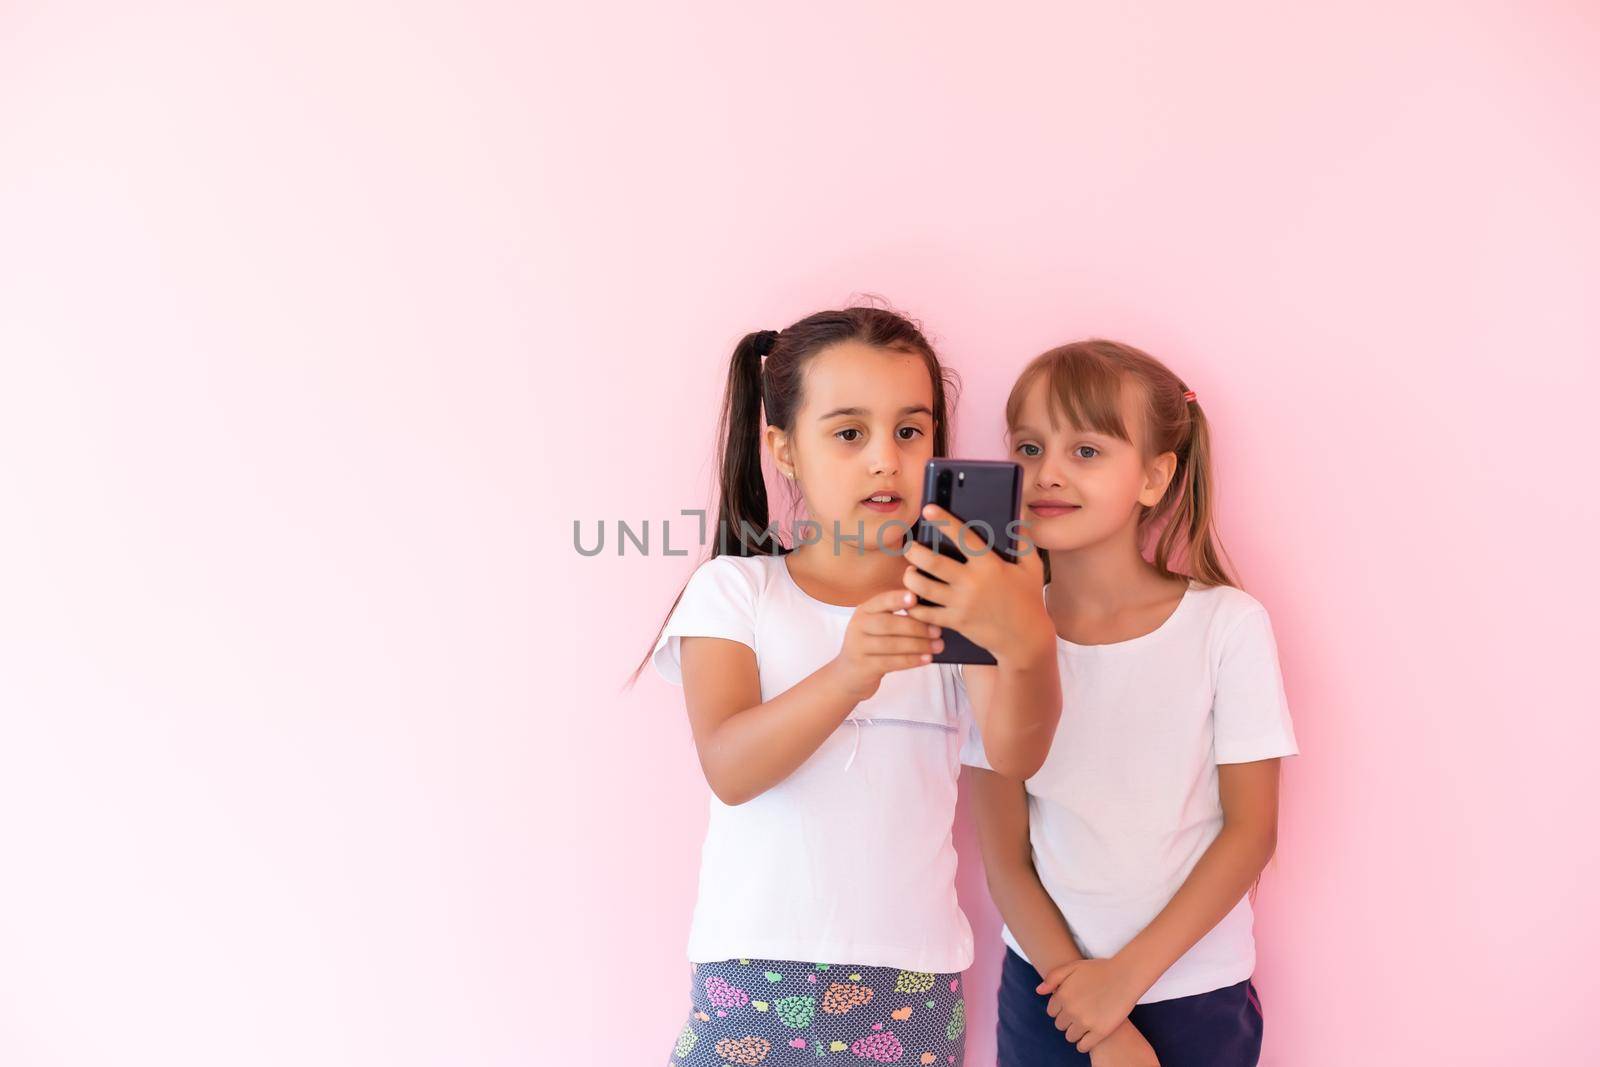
[1127, 800]
[850, 859]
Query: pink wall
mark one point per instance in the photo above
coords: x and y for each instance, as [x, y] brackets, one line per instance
[321, 323]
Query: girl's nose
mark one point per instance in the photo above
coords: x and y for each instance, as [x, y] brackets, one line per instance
[885, 461]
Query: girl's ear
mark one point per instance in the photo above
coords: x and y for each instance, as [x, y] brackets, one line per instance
[782, 452]
[1158, 475]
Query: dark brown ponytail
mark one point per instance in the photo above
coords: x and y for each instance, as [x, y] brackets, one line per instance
[742, 512]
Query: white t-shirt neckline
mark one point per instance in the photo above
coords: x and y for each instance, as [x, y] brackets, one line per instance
[836, 609]
[1170, 623]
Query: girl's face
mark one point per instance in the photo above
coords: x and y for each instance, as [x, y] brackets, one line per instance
[1081, 487]
[859, 442]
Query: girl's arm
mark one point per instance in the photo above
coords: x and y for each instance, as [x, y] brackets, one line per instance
[1018, 704]
[1000, 606]
[1096, 995]
[1000, 806]
[747, 746]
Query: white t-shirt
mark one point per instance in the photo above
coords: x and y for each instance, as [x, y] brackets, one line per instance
[1127, 800]
[851, 858]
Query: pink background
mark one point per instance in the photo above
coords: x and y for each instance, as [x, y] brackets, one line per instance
[321, 324]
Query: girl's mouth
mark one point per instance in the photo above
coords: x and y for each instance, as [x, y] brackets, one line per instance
[1050, 509]
[883, 503]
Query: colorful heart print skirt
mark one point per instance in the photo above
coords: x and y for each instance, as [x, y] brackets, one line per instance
[779, 1013]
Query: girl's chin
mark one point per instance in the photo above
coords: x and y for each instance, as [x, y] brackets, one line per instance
[873, 518]
[888, 531]
[1061, 543]
[1058, 535]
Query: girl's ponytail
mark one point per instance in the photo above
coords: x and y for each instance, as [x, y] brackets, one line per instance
[1189, 528]
[741, 528]
[742, 512]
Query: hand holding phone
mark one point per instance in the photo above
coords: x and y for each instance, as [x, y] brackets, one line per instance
[879, 640]
[974, 572]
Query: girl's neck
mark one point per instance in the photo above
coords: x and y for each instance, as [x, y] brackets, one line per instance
[1104, 579]
[845, 571]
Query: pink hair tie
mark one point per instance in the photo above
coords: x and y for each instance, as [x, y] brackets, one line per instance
[1188, 397]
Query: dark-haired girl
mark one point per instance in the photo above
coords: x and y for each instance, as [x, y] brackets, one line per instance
[827, 922]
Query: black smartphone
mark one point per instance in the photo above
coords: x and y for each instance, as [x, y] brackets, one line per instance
[986, 494]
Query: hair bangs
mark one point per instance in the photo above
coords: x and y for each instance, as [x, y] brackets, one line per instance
[1083, 387]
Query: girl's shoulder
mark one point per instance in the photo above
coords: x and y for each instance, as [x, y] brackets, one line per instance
[1232, 626]
[748, 566]
[1221, 608]
[721, 599]
[744, 579]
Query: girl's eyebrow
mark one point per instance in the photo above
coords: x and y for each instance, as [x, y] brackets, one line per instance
[1029, 431]
[914, 409]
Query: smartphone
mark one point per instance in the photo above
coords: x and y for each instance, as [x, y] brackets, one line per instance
[985, 493]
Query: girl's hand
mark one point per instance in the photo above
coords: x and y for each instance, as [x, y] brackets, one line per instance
[1124, 1047]
[878, 641]
[1090, 998]
[999, 605]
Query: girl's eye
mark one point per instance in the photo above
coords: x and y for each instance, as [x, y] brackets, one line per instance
[1030, 450]
[910, 433]
[848, 435]
[1090, 449]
